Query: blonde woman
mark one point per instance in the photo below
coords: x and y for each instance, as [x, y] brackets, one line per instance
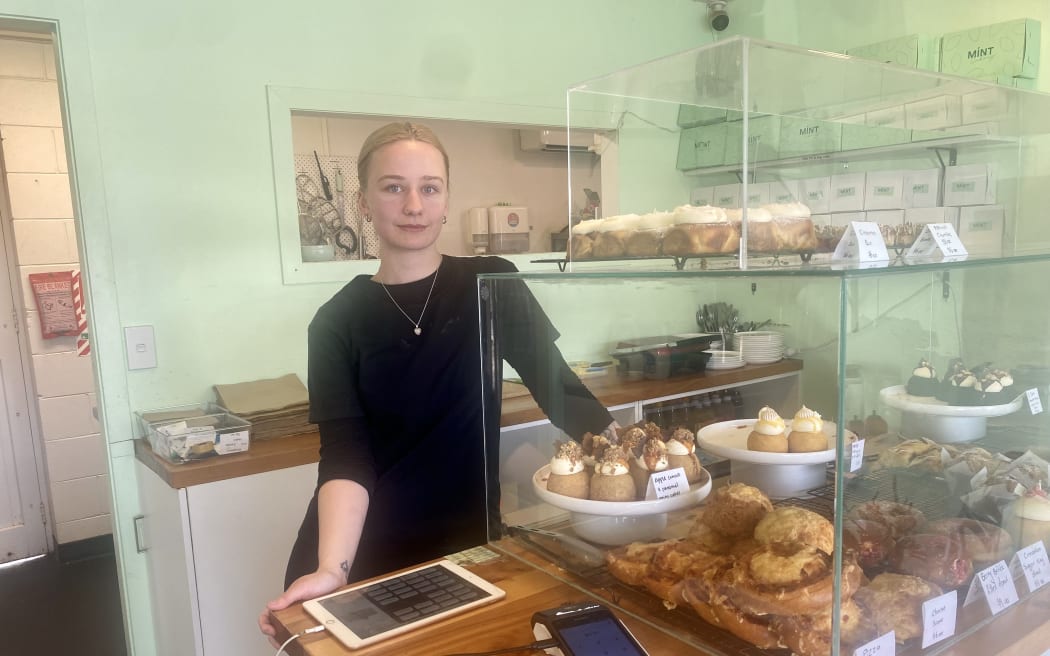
[396, 386]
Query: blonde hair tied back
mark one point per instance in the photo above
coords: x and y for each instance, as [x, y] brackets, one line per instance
[391, 133]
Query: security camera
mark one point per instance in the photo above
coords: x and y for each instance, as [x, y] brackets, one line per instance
[716, 13]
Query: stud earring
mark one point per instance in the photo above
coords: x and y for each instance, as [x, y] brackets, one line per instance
[444, 219]
[368, 218]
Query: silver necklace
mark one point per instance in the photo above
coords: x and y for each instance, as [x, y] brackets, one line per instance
[417, 330]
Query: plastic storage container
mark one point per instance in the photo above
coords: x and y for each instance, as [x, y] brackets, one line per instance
[194, 432]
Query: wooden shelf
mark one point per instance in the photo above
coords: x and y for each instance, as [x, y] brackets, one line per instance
[518, 408]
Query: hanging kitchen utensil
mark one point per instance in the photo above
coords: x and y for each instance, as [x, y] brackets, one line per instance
[324, 179]
[346, 239]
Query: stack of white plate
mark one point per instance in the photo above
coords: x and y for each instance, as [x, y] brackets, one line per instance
[760, 346]
[725, 359]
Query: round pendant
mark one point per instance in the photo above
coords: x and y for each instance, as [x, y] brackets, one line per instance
[418, 330]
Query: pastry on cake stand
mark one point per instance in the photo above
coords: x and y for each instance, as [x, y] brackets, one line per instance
[923, 416]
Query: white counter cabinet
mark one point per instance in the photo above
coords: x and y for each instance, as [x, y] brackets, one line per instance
[216, 554]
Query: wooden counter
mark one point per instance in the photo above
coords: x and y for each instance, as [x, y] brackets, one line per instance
[611, 390]
[501, 625]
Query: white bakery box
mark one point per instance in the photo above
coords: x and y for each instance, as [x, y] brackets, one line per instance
[702, 196]
[816, 194]
[970, 184]
[847, 192]
[188, 433]
[921, 188]
[884, 190]
[981, 229]
[785, 191]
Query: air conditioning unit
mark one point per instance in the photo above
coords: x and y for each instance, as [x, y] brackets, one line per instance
[557, 140]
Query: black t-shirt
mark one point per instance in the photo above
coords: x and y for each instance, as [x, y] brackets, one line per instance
[403, 415]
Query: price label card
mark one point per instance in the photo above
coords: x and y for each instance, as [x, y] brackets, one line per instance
[1035, 565]
[996, 584]
[862, 242]
[938, 618]
[884, 645]
[1035, 404]
[856, 455]
[666, 484]
[937, 239]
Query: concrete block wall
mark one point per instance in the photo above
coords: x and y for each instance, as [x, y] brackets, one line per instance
[34, 162]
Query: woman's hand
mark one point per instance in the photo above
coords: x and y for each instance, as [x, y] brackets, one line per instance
[310, 586]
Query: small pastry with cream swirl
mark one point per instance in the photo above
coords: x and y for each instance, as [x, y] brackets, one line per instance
[612, 480]
[768, 432]
[681, 452]
[807, 432]
[653, 458]
[568, 475]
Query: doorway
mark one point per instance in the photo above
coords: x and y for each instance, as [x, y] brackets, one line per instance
[23, 512]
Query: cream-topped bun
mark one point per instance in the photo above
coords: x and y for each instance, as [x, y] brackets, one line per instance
[568, 460]
[769, 422]
[656, 220]
[964, 378]
[699, 214]
[613, 462]
[767, 433]
[586, 227]
[807, 432]
[924, 370]
[754, 215]
[653, 457]
[807, 421]
[681, 443]
[617, 223]
[787, 210]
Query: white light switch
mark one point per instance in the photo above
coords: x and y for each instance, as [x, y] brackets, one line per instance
[142, 351]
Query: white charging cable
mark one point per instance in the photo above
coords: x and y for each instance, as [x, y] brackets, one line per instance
[316, 629]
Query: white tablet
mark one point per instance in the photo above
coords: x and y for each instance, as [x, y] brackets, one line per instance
[370, 612]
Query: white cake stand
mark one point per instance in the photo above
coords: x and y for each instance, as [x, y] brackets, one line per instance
[615, 523]
[926, 416]
[779, 475]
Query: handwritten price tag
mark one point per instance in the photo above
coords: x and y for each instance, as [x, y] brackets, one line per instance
[938, 618]
[666, 484]
[1035, 565]
[998, 587]
[856, 455]
[1035, 405]
[938, 238]
[862, 242]
[884, 645]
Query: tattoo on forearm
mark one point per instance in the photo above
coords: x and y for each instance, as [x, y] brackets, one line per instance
[345, 566]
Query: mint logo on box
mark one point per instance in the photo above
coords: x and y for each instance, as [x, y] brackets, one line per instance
[964, 186]
[920, 188]
[809, 131]
[979, 226]
[703, 145]
[883, 191]
[979, 53]
[846, 192]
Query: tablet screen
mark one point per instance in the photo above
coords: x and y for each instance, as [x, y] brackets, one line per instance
[405, 599]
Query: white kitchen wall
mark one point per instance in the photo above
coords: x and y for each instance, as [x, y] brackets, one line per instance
[34, 163]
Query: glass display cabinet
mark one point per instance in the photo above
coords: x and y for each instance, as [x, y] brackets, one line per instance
[909, 516]
[850, 139]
